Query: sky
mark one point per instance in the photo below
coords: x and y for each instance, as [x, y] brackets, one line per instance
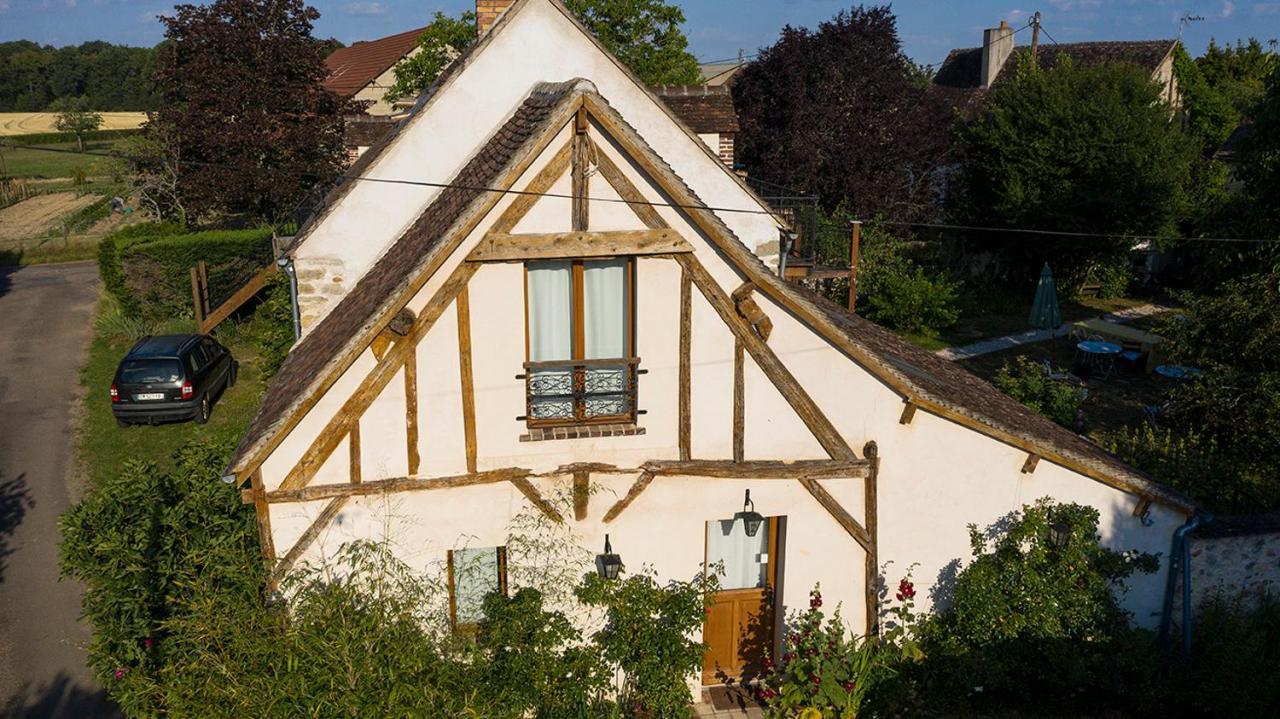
[717, 29]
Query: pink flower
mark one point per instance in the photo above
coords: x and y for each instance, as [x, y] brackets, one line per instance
[906, 590]
[120, 672]
[148, 643]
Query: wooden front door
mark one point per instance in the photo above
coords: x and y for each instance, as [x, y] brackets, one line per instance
[739, 627]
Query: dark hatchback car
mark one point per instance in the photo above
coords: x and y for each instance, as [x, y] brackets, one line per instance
[171, 378]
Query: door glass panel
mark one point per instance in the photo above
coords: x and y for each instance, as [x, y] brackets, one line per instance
[604, 315]
[550, 338]
[745, 559]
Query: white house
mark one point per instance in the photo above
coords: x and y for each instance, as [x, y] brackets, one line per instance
[572, 301]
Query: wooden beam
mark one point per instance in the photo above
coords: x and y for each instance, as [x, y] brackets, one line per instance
[397, 484]
[581, 179]
[468, 383]
[686, 343]
[528, 490]
[233, 303]
[871, 578]
[581, 494]
[541, 182]
[760, 469]
[747, 308]
[796, 396]
[739, 411]
[197, 303]
[411, 410]
[908, 412]
[838, 513]
[636, 488]
[353, 442]
[1142, 507]
[855, 250]
[262, 515]
[324, 519]
[1029, 466]
[644, 210]
[377, 380]
[507, 247]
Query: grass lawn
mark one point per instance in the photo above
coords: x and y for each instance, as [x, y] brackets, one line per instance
[104, 447]
[23, 161]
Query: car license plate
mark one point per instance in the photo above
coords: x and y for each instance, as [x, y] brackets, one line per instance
[150, 395]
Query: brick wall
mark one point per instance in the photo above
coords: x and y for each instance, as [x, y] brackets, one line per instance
[487, 12]
[726, 149]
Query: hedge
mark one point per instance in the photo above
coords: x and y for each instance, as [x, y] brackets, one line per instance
[49, 138]
[148, 267]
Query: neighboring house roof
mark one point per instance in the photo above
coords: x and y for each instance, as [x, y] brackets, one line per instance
[720, 73]
[704, 109]
[352, 68]
[963, 67]
[938, 385]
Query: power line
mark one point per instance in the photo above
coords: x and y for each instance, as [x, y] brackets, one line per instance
[679, 206]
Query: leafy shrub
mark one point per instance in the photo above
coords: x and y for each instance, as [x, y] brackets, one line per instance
[109, 267]
[1112, 277]
[824, 670]
[647, 635]
[158, 272]
[1025, 381]
[1181, 458]
[1033, 621]
[270, 328]
[1235, 664]
[897, 293]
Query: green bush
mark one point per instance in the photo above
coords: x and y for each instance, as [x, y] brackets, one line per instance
[109, 267]
[1235, 663]
[1181, 458]
[50, 138]
[1025, 380]
[157, 272]
[1034, 622]
[896, 292]
[1112, 277]
[270, 328]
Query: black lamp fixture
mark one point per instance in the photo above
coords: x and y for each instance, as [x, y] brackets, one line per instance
[1059, 533]
[608, 564]
[751, 519]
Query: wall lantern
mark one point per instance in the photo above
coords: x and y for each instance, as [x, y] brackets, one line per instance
[608, 564]
[1059, 533]
[751, 519]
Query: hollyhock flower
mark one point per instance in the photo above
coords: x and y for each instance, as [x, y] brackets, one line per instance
[120, 672]
[148, 643]
[906, 590]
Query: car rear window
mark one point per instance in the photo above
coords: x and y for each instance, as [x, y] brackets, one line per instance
[150, 371]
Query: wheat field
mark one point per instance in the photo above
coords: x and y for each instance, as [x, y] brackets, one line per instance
[26, 123]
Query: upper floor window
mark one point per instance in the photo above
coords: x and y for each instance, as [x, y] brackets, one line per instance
[580, 319]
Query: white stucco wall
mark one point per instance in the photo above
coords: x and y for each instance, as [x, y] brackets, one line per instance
[536, 44]
[936, 476]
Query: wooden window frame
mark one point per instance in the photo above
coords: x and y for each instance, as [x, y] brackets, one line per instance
[452, 587]
[578, 343]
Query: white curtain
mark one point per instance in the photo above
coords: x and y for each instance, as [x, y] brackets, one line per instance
[745, 558]
[605, 308]
[550, 311]
[475, 576]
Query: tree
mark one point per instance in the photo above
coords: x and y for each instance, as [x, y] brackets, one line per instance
[74, 116]
[1073, 149]
[443, 40]
[841, 113]
[244, 106]
[1239, 73]
[1261, 159]
[644, 34]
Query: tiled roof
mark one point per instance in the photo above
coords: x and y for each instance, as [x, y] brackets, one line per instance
[963, 67]
[301, 373]
[702, 108]
[352, 68]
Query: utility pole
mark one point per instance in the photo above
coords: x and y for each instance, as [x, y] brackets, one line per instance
[854, 241]
[1035, 41]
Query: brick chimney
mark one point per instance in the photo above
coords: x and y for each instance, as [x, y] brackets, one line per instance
[487, 12]
[997, 46]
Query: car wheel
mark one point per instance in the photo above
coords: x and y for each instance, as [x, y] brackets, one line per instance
[123, 423]
[203, 415]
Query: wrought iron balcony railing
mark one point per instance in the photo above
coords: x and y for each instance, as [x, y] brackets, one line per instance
[562, 392]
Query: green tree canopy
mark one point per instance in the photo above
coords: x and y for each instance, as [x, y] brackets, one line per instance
[1073, 149]
[75, 116]
[1239, 72]
[108, 77]
[644, 34]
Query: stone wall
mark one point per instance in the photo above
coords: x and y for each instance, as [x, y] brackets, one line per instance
[321, 284]
[1235, 557]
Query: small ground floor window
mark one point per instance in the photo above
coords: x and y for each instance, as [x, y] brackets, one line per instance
[474, 573]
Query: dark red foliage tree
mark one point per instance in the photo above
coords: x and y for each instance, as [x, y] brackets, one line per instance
[842, 113]
[249, 124]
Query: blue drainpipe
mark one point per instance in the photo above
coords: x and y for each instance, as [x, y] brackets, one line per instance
[1180, 559]
[286, 265]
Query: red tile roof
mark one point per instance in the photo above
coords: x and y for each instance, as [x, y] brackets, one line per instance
[352, 68]
[703, 108]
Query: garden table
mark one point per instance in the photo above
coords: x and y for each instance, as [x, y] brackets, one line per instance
[1175, 371]
[1147, 342]
[1100, 356]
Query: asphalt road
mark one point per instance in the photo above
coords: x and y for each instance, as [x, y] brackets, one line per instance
[45, 326]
